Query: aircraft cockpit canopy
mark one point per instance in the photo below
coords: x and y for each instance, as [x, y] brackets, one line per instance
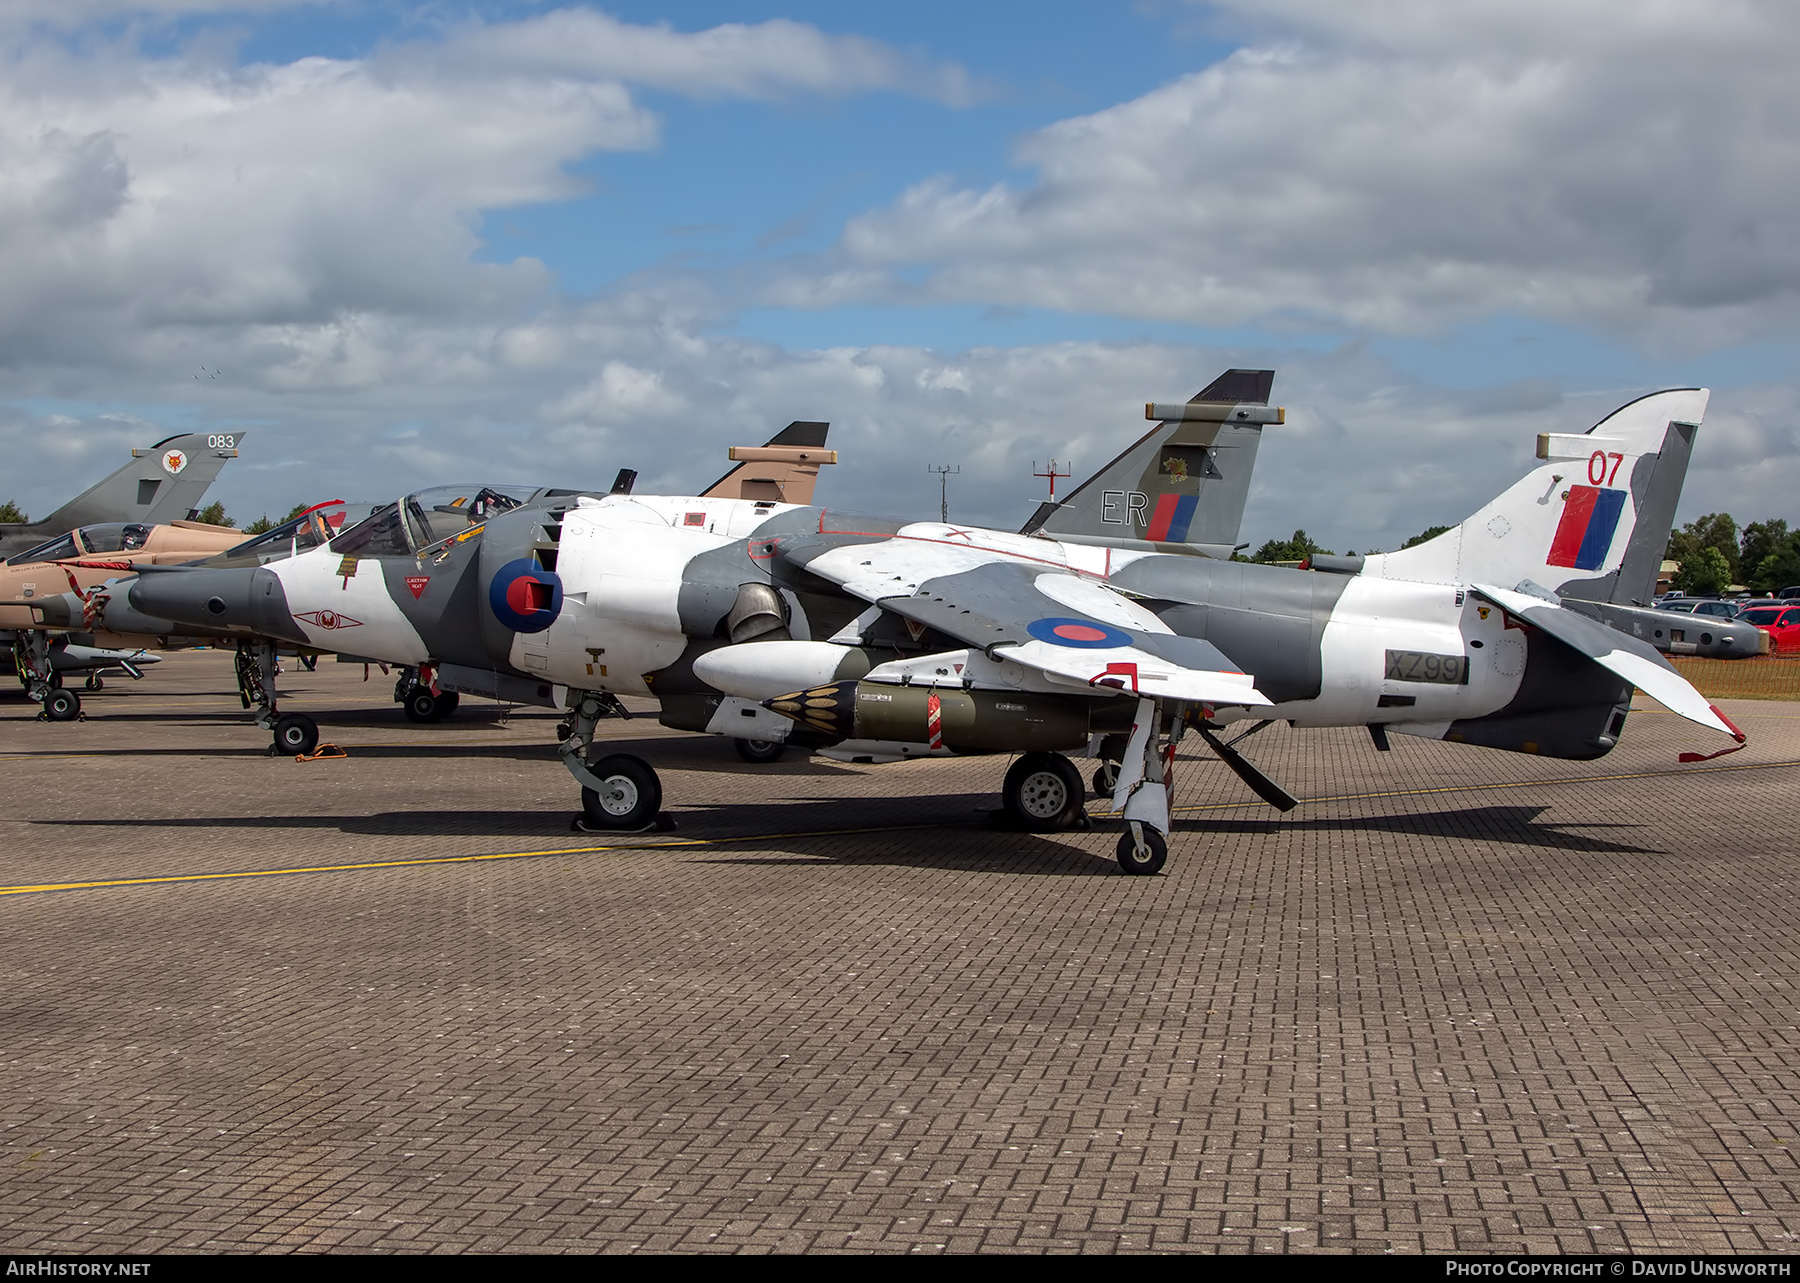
[57, 549]
[115, 536]
[425, 517]
[295, 535]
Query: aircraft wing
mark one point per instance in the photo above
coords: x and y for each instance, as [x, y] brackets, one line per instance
[1076, 631]
[1636, 661]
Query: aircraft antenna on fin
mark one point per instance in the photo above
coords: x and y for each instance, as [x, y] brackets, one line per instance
[782, 471]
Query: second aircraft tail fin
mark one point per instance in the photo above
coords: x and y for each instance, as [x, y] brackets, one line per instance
[164, 483]
[783, 471]
[1181, 487]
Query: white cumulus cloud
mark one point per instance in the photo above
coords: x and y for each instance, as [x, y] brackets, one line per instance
[1399, 166]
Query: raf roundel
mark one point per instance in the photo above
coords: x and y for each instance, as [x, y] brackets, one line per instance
[1082, 634]
[525, 597]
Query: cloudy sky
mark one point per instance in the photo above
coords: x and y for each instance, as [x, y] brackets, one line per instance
[417, 242]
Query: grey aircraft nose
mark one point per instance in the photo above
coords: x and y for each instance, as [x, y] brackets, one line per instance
[59, 610]
[243, 600]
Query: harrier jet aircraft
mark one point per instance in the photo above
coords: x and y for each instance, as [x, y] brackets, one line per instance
[784, 469]
[876, 639]
[1154, 473]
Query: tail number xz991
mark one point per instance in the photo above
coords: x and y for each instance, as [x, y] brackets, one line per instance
[1418, 666]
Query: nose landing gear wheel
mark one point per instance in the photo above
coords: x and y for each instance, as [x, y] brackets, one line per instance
[631, 798]
[1042, 790]
[296, 733]
[62, 705]
[759, 750]
[1148, 858]
[422, 706]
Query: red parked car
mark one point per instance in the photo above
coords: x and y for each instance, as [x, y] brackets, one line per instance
[1781, 620]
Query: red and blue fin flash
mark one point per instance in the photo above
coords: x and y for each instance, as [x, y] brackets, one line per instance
[1584, 536]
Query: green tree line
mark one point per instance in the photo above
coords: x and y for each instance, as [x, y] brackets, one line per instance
[1714, 554]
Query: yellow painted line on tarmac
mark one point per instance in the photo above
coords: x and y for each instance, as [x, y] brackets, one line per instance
[257, 753]
[361, 866]
[449, 859]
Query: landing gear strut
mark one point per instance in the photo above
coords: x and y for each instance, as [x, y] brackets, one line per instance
[31, 657]
[257, 668]
[1141, 791]
[618, 791]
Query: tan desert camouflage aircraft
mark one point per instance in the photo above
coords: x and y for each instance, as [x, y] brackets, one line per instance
[784, 470]
[77, 563]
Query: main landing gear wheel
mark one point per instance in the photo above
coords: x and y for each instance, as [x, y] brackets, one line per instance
[631, 798]
[296, 733]
[1149, 857]
[1106, 779]
[1041, 791]
[62, 705]
[759, 750]
[423, 706]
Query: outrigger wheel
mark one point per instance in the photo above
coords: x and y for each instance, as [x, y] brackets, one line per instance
[62, 705]
[296, 733]
[759, 750]
[96, 683]
[1042, 790]
[631, 798]
[1106, 779]
[1145, 854]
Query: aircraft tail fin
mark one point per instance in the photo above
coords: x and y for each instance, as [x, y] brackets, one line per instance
[1181, 487]
[783, 471]
[1590, 521]
[161, 484]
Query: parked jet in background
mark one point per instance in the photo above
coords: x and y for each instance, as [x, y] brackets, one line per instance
[162, 484]
[72, 565]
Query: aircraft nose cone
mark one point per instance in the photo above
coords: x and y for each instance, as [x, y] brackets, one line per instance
[60, 610]
[241, 600]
